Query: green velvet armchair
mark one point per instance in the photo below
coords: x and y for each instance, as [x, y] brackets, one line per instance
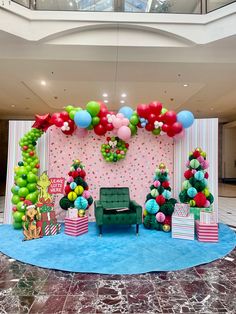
[115, 208]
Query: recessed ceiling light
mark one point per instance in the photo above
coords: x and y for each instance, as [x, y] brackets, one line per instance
[105, 100]
[123, 95]
[212, 108]
[122, 101]
[185, 85]
[13, 106]
[71, 4]
[43, 83]
[104, 95]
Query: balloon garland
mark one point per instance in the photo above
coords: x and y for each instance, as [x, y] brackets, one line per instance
[114, 150]
[153, 117]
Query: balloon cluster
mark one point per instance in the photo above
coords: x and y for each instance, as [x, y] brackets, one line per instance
[63, 121]
[195, 188]
[159, 204]
[114, 150]
[26, 177]
[76, 190]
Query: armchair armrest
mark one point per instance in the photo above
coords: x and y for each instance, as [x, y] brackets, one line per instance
[138, 208]
[98, 209]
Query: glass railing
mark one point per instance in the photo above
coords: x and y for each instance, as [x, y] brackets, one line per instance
[148, 6]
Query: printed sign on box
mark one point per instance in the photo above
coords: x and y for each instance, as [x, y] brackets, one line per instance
[56, 186]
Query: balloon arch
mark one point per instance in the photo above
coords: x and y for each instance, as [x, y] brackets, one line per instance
[124, 124]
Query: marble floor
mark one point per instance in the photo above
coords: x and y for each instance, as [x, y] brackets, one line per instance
[227, 190]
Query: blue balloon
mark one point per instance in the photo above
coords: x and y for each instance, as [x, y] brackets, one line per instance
[186, 118]
[73, 185]
[166, 194]
[81, 203]
[192, 192]
[199, 175]
[82, 119]
[126, 111]
[151, 206]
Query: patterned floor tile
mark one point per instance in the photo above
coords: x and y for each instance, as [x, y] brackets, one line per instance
[175, 304]
[136, 287]
[111, 304]
[79, 304]
[27, 287]
[48, 304]
[143, 303]
[111, 287]
[84, 288]
[59, 287]
[11, 304]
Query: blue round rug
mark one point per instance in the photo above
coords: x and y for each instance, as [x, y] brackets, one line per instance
[118, 251]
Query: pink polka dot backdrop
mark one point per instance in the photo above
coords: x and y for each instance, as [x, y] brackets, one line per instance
[136, 171]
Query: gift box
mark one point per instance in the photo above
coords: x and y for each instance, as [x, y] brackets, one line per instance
[207, 217]
[76, 227]
[181, 209]
[72, 213]
[207, 232]
[183, 227]
[197, 210]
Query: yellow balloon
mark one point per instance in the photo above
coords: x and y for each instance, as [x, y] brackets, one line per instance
[206, 192]
[162, 166]
[203, 154]
[145, 213]
[23, 218]
[166, 228]
[81, 212]
[72, 196]
[192, 203]
[79, 190]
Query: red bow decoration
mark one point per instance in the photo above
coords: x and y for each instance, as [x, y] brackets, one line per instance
[46, 202]
[42, 122]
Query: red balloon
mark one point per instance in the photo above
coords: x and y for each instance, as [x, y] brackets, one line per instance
[100, 129]
[139, 125]
[155, 107]
[177, 127]
[103, 121]
[64, 115]
[149, 127]
[109, 127]
[71, 126]
[82, 173]
[103, 110]
[152, 118]
[165, 128]
[200, 199]
[160, 118]
[143, 110]
[59, 122]
[67, 189]
[188, 174]
[171, 132]
[165, 184]
[170, 117]
[75, 174]
[160, 200]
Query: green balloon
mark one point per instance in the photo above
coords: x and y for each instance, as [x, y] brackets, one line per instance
[78, 109]
[32, 197]
[21, 182]
[15, 190]
[32, 187]
[134, 119]
[90, 127]
[163, 110]
[17, 216]
[31, 177]
[72, 114]
[133, 129]
[15, 199]
[69, 108]
[95, 121]
[35, 170]
[156, 131]
[23, 192]
[21, 171]
[20, 206]
[17, 225]
[93, 108]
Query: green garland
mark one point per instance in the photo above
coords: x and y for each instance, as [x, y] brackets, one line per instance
[114, 150]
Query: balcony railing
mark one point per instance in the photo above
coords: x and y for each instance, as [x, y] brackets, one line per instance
[142, 6]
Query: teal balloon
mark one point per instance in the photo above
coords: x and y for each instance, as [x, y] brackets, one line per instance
[81, 203]
[199, 175]
[166, 194]
[126, 111]
[73, 185]
[82, 119]
[192, 192]
[151, 206]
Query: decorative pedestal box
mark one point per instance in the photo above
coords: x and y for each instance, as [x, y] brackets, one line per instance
[196, 211]
[207, 232]
[181, 209]
[183, 227]
[48, 224]
[76, 227]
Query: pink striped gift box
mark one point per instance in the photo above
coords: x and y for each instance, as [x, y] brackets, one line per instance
[207, 232]
[183, 227]
[76, 226]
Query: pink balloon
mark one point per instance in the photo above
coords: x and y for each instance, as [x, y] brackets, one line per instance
[124, 133]
[205, 164]
[187, 163]
[200, 159]
[86, 194]
[81, 132]
[160, 217]
[156, 183]
[117, 123]
[125, 122]
[122, 152]
[207, 204]
[70, 179]
[120, 115]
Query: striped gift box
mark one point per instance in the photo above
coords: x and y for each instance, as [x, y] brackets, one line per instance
[183, 227]
[76, 227]
[207, 232]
